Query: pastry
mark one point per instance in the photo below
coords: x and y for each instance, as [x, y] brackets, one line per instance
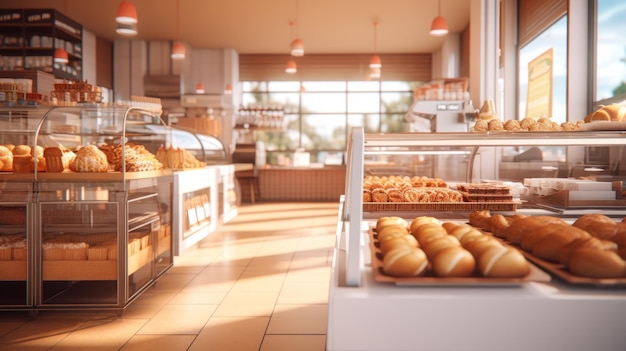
[547, 248]
[406, 241]
[433, 247]
[564, 253]
[503, 262]
[6, 158]
[390, 220]
[597, 224]
[454, 262]
[405, 262]
[519, 228]
[54, 159]
[90, 159]
[594, 263]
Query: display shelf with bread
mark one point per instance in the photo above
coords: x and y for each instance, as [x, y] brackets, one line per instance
[434, 283]
[97, 205]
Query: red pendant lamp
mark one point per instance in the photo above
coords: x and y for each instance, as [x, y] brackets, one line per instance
[291, 67]
[60, 55]
[200, 88]
[375, 61]
[178, 50]
[439, 27]
[126, 13]
[297, 45]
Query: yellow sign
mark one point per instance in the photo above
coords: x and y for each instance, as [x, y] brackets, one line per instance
[539, 96]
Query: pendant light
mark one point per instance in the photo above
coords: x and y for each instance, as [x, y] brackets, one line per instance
[126, 13]
[297, 45]
[60, 55]
[291, 67]
[439, 27]
[200, 88]
[229, 89]
[374, 73]
[126, 29]
[178, 50]
[375, 61]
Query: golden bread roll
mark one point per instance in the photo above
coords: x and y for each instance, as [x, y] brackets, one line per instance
[23, 163]
[429, 232]
[90, 159]
[533, 236]
[616, 112]
[519, 228]
[480, 219]
[464, 230]
[401, 241]
[433, 247]
[598, 225]
[566, 250]
[454, 262]
[6, 157]
[548, 247]
[479, 245]
[620, 235]
[421, 220]
[594, 263]
[21, 150]
[391, 231]
[471, 236]
[499, 223]
[405, 262]
[389, 220]
[503, 262]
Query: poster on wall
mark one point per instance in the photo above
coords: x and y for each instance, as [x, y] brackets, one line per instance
[539, 95]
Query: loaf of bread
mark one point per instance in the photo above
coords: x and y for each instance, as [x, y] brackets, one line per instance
[433, 247]
[547, 248]
[565, 252]
[610, 113]
[595, 263]
[6, 158]
[404, 241]
[503, 262]
[454, 261]
[405, 262]
[598, 225]
[390, 220]
[90, 159]
[519, 228]
[391, 231]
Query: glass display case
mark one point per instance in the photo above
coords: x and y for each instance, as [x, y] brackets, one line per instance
[96, 204]
[421, 314]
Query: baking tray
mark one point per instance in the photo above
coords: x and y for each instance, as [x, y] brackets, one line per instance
[535, 274]
[440, 206]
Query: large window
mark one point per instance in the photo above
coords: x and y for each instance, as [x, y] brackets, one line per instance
[320, 114]
[550, 45]
[610, 51]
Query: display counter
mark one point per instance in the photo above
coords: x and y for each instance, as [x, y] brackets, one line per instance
[84, 224]
[542, 312]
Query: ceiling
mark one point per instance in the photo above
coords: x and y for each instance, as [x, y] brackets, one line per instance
[262, 26]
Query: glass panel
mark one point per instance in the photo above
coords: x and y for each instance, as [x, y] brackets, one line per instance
[554, 38]
[289, 102]
[253, 86]
[279, 140]
[398, 102]
[369, 122]
[283, 86]
[611, 55]
[323, 102]
[324, 86]
[324, 132]
[364, 86]
[13, 254]
[79, 251]
[396, 86]
[392, 123]
[364, 102]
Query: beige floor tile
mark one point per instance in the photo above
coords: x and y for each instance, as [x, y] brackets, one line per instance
[251, 304]
[172, 283]
[179, 319]
[308, 275]
[199, 298]
[39, 334]
[294, 342]
[7, 327]
[259, 281]
[214, 279]
[304, 293]
[299, 319]
[102, 335]
[158, 342]
[231, 334]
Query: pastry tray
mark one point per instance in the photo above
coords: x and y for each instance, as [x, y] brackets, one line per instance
[440, 206]
[535, 274]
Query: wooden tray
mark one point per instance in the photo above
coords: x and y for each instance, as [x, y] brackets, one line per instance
[535, 274]
[440, 206]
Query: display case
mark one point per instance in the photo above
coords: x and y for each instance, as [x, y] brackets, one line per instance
[539, 313]
[96, 227]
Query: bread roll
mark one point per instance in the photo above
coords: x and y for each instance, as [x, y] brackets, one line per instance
[503, 262]
[454, 262]
[391, 231]
[429, 232]
[499, 224]
[479, 245]
[405, 262]
[21, 150]
[548, 247]
[594, 263]
[597, 224]
[421, 220]
[433, 247]
[407, 241]
[565, 252]
[390, 220]
[480, 219]
[90, 159]
[519, 228]
[6, 157]
[533, 236]
[471, 236]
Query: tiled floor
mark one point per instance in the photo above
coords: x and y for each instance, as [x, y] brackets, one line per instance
[260, 283]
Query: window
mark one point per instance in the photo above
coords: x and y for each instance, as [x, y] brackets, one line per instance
[610, 61]
[319, 119]
[551, 43]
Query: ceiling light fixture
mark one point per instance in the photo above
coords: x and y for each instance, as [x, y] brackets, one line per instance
[178, 50]
[229, 89]
[439, 27]
[126, 13]
[291, 67]
[60, 55]
[374, 73]
[200, 88]
[375, 61]
[126, 29]
[297, 45]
